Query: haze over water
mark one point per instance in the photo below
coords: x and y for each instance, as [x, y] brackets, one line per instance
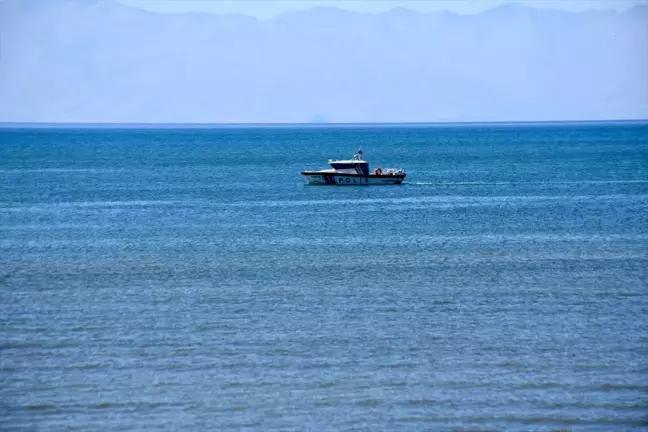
[187, 279]
[79, 61]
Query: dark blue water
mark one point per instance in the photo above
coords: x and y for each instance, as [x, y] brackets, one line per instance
[188, 279]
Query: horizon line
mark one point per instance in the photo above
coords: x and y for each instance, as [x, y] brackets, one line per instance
[98, 125]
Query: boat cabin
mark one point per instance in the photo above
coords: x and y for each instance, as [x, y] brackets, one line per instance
[350, 166]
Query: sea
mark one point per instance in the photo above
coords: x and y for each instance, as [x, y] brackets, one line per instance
[186, 278]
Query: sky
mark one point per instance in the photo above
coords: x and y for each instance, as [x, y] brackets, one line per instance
[265, 9]
[106, 61]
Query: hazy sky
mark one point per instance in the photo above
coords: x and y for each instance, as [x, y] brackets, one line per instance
[107, 61]
[269, 9]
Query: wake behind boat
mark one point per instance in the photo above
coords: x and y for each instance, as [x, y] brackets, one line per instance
[354, 172]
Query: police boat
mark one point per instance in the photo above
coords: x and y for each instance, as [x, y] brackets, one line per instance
[354, 172]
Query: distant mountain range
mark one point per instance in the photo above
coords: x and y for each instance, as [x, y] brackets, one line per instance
[102, 61]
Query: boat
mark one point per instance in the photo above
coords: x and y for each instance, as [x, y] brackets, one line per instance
[354, 172]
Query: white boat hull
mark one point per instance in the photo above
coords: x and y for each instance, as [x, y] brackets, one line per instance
[327, 178]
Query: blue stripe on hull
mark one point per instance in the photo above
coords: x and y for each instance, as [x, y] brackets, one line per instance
[353, 179]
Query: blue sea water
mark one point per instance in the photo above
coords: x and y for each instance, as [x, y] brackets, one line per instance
[188, 279]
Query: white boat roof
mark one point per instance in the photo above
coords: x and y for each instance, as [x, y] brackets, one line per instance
[348, 161]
